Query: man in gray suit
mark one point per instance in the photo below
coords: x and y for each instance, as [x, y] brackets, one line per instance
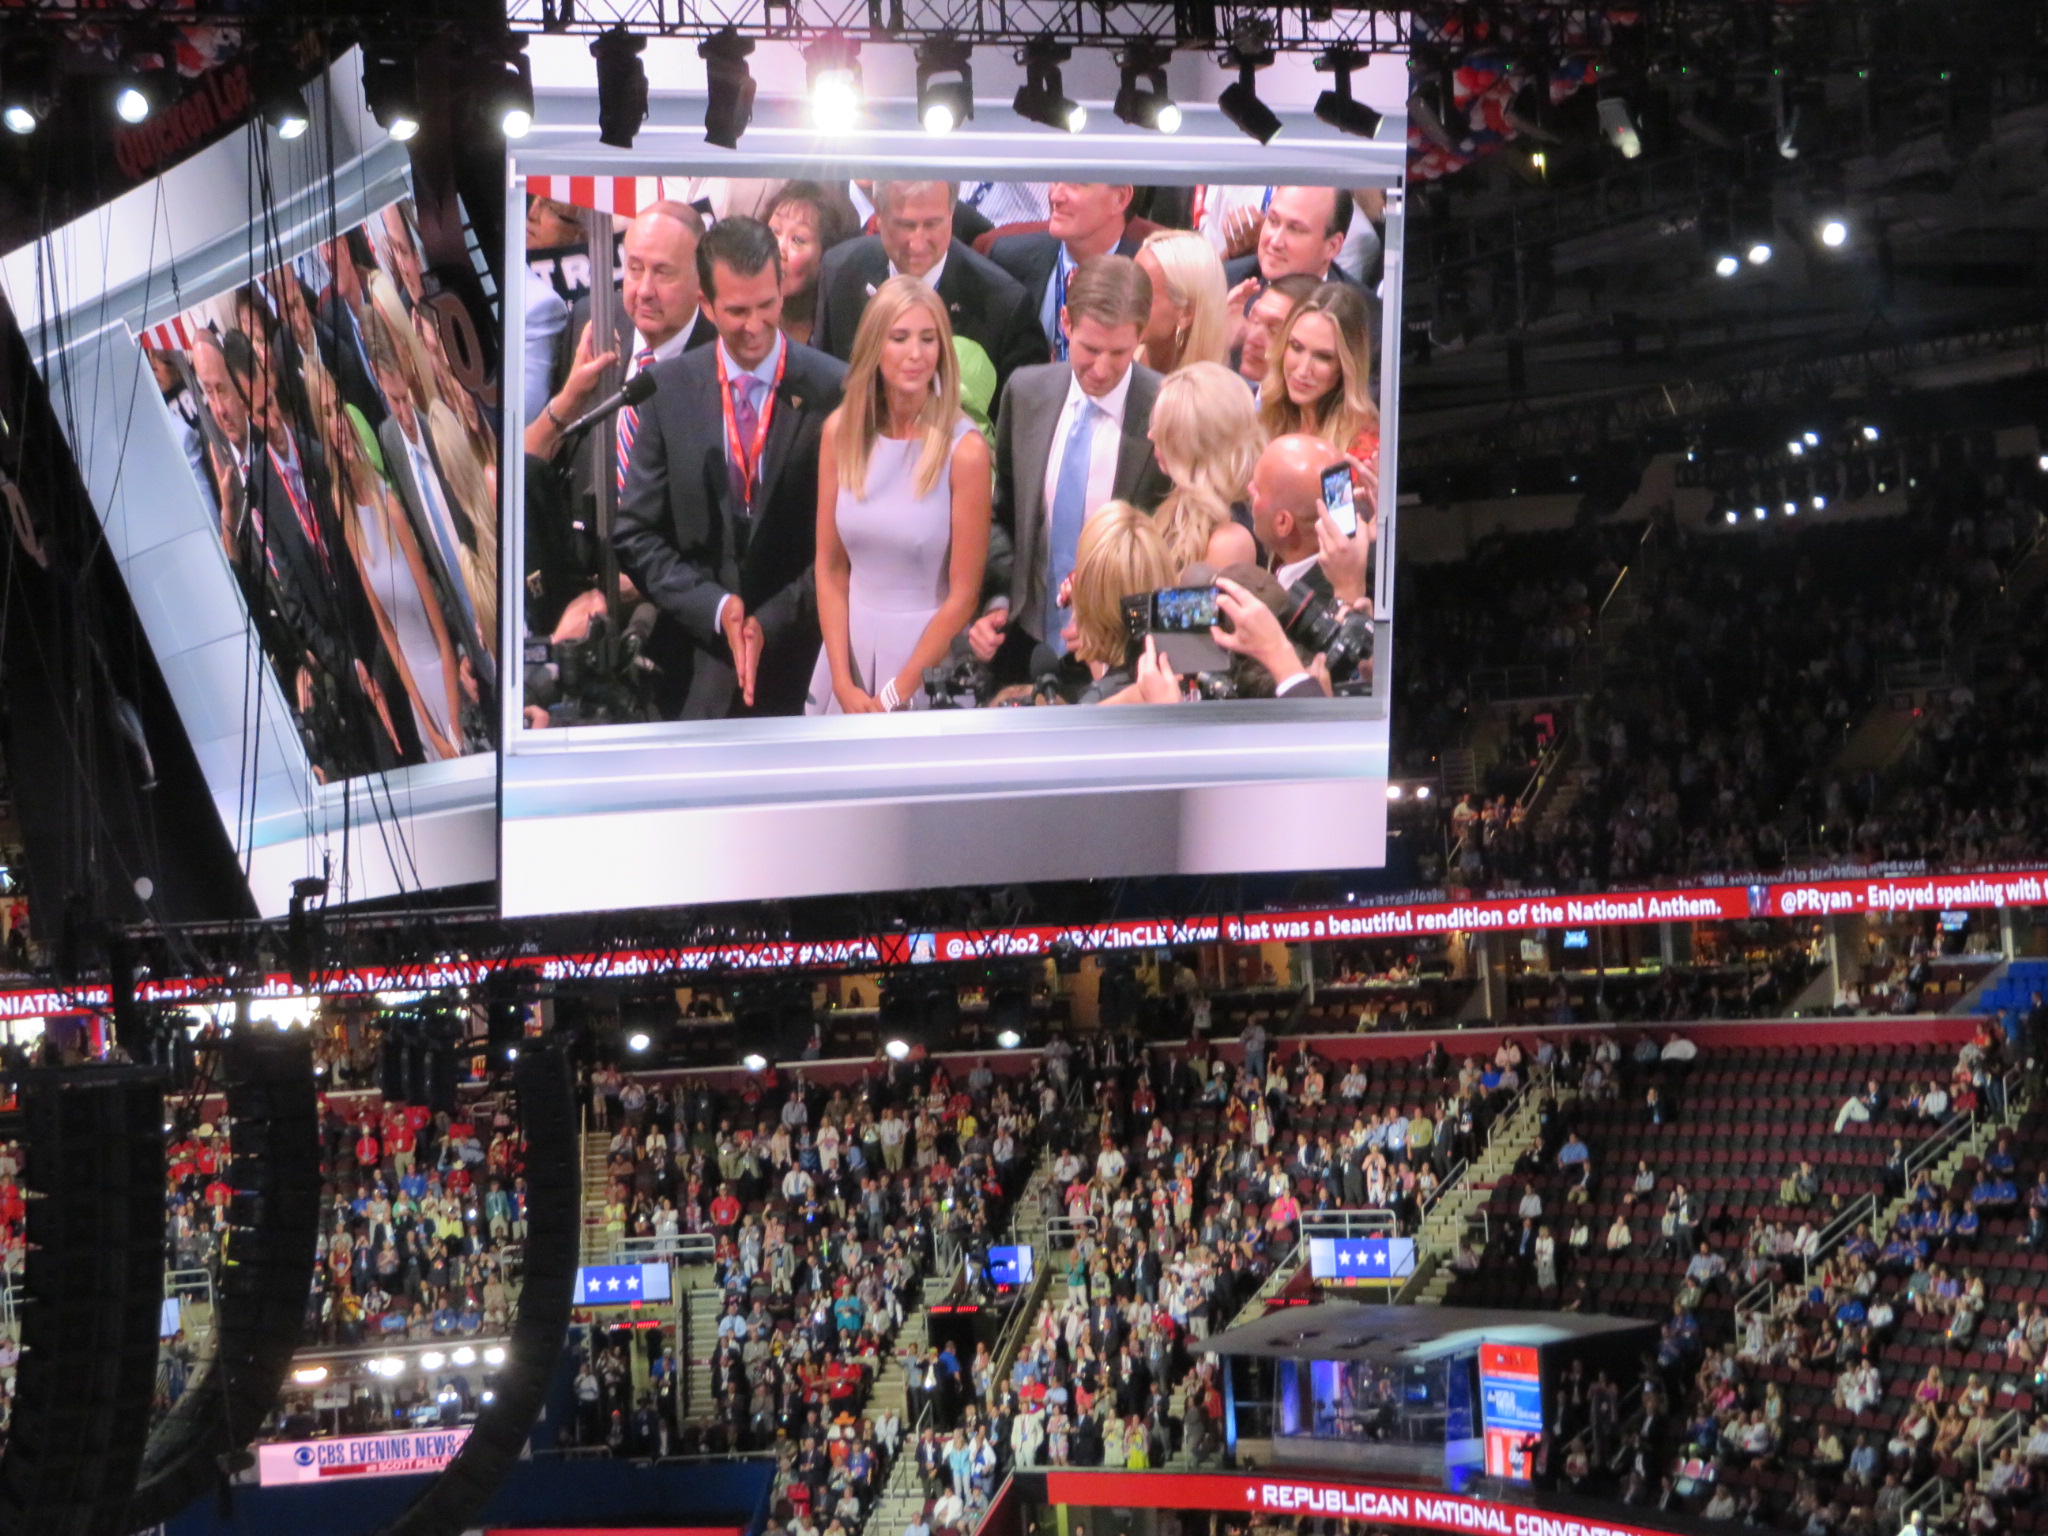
[1070, 437]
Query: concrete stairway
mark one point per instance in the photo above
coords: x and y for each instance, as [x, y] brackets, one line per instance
[1437, 1243]
[595, 1248]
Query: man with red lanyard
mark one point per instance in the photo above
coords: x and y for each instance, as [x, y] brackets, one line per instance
[718, 517]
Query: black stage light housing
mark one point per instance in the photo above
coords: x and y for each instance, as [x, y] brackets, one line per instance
[621, 87]
[1042, 98]
[729, 105]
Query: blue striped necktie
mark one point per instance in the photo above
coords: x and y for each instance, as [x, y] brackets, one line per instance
[629, 420]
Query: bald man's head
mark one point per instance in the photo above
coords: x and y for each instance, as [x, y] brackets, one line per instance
[1286, 486]
[659, 293]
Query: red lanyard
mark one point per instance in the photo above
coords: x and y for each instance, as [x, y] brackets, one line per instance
[744, 455]
[300, 506]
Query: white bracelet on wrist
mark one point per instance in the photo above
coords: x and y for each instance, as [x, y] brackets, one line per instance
[888, 697]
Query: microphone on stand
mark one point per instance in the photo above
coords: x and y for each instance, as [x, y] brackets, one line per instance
[636, 390]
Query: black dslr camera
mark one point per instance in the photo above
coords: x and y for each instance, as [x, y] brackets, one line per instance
[1315, 623]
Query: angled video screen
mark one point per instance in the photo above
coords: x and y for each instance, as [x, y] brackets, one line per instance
[297, 473]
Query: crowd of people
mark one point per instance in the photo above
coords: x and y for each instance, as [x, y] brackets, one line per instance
[352, 472]
[962, 446]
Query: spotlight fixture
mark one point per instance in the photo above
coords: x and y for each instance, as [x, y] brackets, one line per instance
[510, 97]
[1727, 264]
[1795, 448]
[1870, 433]
[1142, 99]
[1393, 791]
[1042, 98]
[1759, 252]
[432, 1360]
[1731, 516]
[387, 1366]
[896, 1050]
[1337, 107]
[621, 87]
[464, 1356]
[495, 1355]
[638, 1040]
[1239, 100]
[754, 1061]
[1833, 233]
[1422, 791]
[283, 106]
[945, 85]
[1009, 1039]
[26, 91]
[135, 96]
[1811, 439]
[391, 88]
[1619, 125]
[1820, 503]
[729, 97]
[834, 65]
[310, 1375]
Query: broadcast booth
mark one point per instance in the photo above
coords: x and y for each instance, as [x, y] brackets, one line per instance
[1431, 1395]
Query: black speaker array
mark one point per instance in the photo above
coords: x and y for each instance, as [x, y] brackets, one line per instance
[94, 1289]
[260, 1295]
[547, 1111]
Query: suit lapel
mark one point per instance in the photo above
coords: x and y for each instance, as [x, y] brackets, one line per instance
[1135, 451]
[782, 427]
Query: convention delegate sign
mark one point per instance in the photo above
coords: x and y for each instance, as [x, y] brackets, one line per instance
[1268, 1494]
[311, 1461]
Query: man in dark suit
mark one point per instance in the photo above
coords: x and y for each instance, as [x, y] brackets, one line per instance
[1085, 219]
[1303, 230]
[1099, 404]
[913, 234]
[1286, 496]
[718, 520]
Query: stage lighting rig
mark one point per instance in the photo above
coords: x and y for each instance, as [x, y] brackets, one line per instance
[509, 93]
[26, 85]
[1239, 100]
[136, 94]
[279, 101]
[1337, 107]
[833, 63]
[391, 87]
[1042, 98]
[945, 85]
[1618, 124]
[1142, 99]
[729, 87]
[621, 87]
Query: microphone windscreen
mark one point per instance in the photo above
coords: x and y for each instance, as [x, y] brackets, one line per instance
[1045, 661]
[639, 387]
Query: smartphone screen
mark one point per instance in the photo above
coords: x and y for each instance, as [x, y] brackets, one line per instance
[1337, 497]
[1184, 610]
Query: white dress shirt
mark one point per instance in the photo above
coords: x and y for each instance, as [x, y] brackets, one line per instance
[1105, 442]
[931, 278]
[1287, 575]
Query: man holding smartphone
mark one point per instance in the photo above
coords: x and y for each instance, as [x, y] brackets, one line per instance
[1296, 527]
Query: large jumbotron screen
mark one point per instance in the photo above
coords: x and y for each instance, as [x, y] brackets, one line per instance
[296, 472]
[921, 591]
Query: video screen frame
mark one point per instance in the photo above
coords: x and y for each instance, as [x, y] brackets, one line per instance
[763, 806]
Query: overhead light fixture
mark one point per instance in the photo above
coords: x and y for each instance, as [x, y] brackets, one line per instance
[387, 1366]
[1042, 98]
[1727, 264]
[495, 1355]
[1337, 108]
[1393, 791]
[1811, 439]
[621, 87]
[1009, 1039]
[945, 84]
[896, 1050]
[1239, 101]
[833, 62]
[432, 1360]
[1422, 791]
[1759, 252]
[1142, 99]
[1820, 503]
[1731, 516]
[510, 97]
[26, 89]
[1802, 117]
[1618, 124]
[310, 1375]
[1760, 513]
[754, 1061]
[1870, 433]
[1833, 233]
[729, 87]
[283, 107]
[1795, 448]
[638, 1040]
[135, 97]
[391, 88]
[464, 1356]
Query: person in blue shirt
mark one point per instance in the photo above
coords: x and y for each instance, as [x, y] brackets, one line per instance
[1572, 1153]
[1861, 1244]
[1898, 1253]
[2000, 1159]
[1964, 1230]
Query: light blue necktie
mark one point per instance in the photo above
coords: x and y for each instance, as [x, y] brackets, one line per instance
[1069, 512]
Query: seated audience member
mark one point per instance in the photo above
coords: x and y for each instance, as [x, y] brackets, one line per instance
[1189, 321]
[1206, 436]
[809, 219]
[1301, 233]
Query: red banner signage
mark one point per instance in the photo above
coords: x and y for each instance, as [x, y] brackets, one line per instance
[1273, 1493]
[1917, 893]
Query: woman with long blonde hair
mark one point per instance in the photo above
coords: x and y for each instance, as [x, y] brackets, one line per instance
[387, 556]
[1120, 554]
[903, 509]
[1188, 322]
[1319, 379]
[1206, 436]
[468, 480]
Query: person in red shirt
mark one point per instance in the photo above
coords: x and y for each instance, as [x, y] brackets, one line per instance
[218, 1194]
[368, 1152]
[725, 1211]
